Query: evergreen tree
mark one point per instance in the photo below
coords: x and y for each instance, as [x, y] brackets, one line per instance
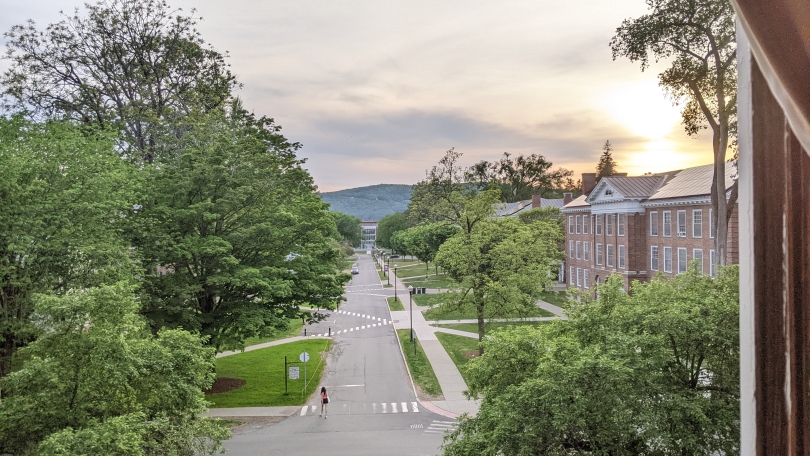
[607, 165]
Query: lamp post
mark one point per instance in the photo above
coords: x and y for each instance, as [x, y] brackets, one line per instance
[410, 306]
[395, 282]
[388, 263]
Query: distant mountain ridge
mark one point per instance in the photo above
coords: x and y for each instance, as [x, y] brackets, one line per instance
[370, 203]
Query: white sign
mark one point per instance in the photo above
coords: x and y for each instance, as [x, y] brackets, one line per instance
[304, 357]
[293, 372]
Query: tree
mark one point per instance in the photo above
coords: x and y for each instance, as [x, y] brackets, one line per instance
[97, 382]
[519, 178]
[389, 225]
[501, 266]
[424, 241]
[135, 67]
[606, 166]
[653, 372]
[698, 36]
[348, 227]
[232, 233]
[64, 195]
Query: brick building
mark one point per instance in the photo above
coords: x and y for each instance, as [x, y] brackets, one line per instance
[642, 225]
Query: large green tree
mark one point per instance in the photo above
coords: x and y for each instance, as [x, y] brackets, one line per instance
[389, 225]
[654, 372]
[424, 241]
[98, 382]
[135, 67]
[64, 195]
[607, 166]
[501, 266]
[698, 37]
[520, 177]
[234, 237]
[348, 227]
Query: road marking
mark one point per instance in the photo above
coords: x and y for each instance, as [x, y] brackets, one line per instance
[351, 329]
[357, 328]
[384, 405]
[363, 327]
[415, 408]
[385, 322]
[303, 410]
[393, 407]
[374, 407]
[404, 407]
[364, 315]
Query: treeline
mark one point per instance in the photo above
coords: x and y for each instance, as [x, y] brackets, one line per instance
[147, 220]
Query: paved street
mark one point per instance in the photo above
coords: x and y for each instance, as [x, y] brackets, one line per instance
[373, 408]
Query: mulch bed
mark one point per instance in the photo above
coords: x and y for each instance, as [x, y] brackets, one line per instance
[471, 354]
[224, 384]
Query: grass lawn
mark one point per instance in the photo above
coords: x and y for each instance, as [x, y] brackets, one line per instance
[491, 326]
[418, 269]
[427, 299]
[438, 313]
[383, 276]
[418, 364]
[295, 328]
[395, 305]
[434, 282]
[461, 350]
[557, 298]
[263, 370]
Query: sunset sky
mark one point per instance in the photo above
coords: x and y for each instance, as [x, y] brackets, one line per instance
[376, 91]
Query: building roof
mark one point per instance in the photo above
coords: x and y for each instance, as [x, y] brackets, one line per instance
[636, 186]
[508, 209]
[692, 182]
[555, 202]
[580, 201]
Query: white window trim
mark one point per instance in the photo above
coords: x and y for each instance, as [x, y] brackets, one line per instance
[585, 278]
[621, 257]
[678, 223]
[609, 262]
[579, 277]
[656, 257]
[598, 229]
[586, 220]
[571, 249]
[711, 225]
[695, 257]
[578, 225]
[599, 253]
[656, 223]
[694, 225]
[571, 276]
[586, 254]
[621, 222]
[579, 250]
[667, 249]
[609, 224]
[685, 261]
[570, 224]
[665, 225]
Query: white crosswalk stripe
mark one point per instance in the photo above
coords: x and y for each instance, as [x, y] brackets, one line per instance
[415, 408]
[404, 407]
[393, 407]
[440, 427]
[367, 408]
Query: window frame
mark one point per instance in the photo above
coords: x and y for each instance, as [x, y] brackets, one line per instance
[666, 224]
[599, 254]
[579, 277]
[578, 224]
[610, 256]
[586, 251]
[598, 227]
[609, 224]
[579, 250]
[681, 234]
[711, 225]
[572, 277]
[585, 274]
[697, 213]
[621, 257]
[654, 256]
[695, 257]
[683, 261]
[621, 224]
[584, 224]
[654, 232]
[571, 249]
[570, 224]
[668, 259]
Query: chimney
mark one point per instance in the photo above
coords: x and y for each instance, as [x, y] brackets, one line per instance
[567, 198]
[588, 182]
[536, 201]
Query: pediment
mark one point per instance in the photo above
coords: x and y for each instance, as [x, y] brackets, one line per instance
[604, 192]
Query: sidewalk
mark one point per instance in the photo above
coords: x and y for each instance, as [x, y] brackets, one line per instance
[269, 344]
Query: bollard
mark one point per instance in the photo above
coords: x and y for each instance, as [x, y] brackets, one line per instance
[330, 331]
[305, 332]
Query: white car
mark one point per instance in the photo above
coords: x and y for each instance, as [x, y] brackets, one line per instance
[355, 270]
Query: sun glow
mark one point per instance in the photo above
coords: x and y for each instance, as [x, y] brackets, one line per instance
[642, 109]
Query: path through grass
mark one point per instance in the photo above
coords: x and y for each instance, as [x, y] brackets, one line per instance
[490, 326]
[461, 350]
[418, 364]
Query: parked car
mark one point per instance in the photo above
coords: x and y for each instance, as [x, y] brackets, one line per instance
[355, 270]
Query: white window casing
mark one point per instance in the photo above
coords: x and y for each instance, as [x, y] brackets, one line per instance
[570, 249]
[609, 224]
[599, 254]
[622, 257]
[697, 223]
[579, 277]
[599, 225]
[579, 250]
[585, 278]
[570, 224]
[610, 254]
[621, 226]
[697, 254]
[667, 224]
[586, 254]
[654, 258]
[682, 260]
[654, 223]
[579, 224]
[667, 259]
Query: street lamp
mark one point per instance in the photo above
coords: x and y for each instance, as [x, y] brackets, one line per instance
[388, 263]
[410, 306]
[395, 282]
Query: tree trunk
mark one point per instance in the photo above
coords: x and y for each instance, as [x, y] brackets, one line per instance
[719, 203]
[479, 305]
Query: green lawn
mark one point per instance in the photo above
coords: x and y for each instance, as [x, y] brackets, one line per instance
[461, 349]
[295, 328]
[263, 370]
[428, 299]
[382, 275]
[418, 269]
[557, 298]
[491, 326]
[435, 282]
[395, 305]
[437, 313]
[418, 364]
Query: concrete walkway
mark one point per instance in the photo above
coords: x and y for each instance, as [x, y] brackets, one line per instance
[269, 344]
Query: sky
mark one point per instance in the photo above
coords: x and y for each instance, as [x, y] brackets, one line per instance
[377, 91]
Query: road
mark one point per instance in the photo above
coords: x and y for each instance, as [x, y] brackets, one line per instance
[372, 410]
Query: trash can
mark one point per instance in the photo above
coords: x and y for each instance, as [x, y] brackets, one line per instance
[423, 291]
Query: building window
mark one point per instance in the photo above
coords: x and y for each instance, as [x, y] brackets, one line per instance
[654, 258]
[667, 259]
[572, 276]
[610, 255]
[712, 262]
[697, 223]
[609, 224]
[579, 250]
[585, 278]
[667, 224]
[570, 224]
[622, 263]
[579, 224]
[622, 221]
[579, 277]
[599, 254]
[697, 255]
[598, 225]
[711, 226]
[681, 223]
[586, 219]
[586, 255]
[682, 262]
[654, 223]
[570, 249]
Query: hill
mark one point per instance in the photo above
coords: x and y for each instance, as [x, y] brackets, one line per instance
[370, 203]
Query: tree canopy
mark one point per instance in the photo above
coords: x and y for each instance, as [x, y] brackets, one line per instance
[520, 177]
[348, 227]
[135, 67]
[98, 382]
[424, 241]
[653, 372]
[698, 37]
[389, 225]
[607, 165]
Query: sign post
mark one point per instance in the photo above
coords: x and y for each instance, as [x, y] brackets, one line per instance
[304, 357]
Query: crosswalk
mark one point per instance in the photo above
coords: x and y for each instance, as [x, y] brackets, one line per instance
[356, 314]
[377, 322]
[345, 331]
[365, 409]
[440, 427]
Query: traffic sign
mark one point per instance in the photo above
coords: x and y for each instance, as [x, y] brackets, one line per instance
[293, 372]
[385, 268]
[304, 357]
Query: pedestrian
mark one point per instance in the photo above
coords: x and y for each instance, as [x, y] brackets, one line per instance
[324, 401]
